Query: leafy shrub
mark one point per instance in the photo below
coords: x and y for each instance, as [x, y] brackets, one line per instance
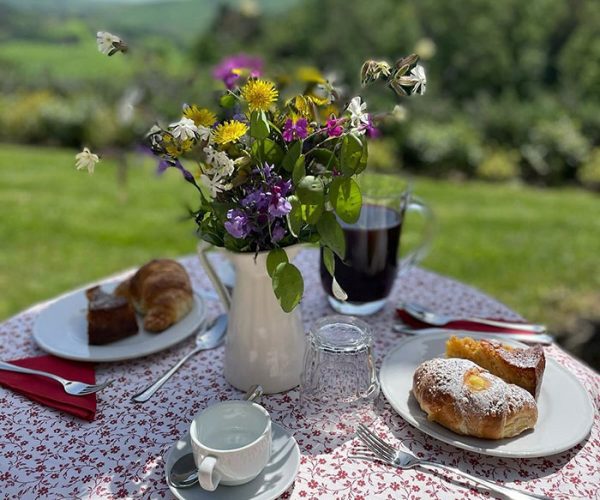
[21, 116]
[383, 156]
[445, 147]
[589, 173]
[555, 149]
[499, 165]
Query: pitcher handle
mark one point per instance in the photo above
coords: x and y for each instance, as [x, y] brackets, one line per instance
[418, 254]
[220, 288]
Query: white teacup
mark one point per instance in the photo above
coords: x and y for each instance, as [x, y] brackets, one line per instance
[231, 442]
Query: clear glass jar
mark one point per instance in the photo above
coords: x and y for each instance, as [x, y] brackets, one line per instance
[339, 383]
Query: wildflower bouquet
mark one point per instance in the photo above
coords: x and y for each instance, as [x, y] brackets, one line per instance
[274, 172]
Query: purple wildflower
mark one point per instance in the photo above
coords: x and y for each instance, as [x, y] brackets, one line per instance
[279, 206]
[262, 208]
[237, 223]
[228, 69]
[163, 164]
[293, 130]
[370, 129]
[334, 127]
[277, 233]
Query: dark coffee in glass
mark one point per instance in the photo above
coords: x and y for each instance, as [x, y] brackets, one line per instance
[369, 269]
[368, 272]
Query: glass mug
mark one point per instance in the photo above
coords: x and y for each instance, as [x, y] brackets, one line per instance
[371, 264]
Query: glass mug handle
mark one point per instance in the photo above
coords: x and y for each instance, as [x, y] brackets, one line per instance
[418, 254]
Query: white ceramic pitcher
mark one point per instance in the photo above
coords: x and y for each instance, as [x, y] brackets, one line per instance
[264, 345]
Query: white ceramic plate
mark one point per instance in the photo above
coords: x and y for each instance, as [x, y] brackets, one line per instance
[276, 477]
[61, 329]
[565, 410]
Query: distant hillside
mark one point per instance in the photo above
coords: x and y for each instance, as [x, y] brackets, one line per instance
[180, 20]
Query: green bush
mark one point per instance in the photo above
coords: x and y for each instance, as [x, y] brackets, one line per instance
[499, 165]
[589, 173]
[453, 146]
[554, 150]
[383, 156]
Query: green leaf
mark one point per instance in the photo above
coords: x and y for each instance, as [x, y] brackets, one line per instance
[212, 238]
[362, 164]
[259, 125]
[310, 190]
[267, 151]
[288, 285]
[274, 258]
[332, 234]
[292, 155]
[294, 218]
[329, 260]
[227, 100]
[325, 157]
[312, 213]
[346, 198]
[350, 154]
[299, 170]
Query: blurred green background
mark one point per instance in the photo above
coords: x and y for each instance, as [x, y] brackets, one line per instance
[505, 145]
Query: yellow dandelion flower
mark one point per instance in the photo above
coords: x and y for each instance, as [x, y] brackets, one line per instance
[259, 94]
[303, 106]
[174, 147]
[229, 131]
[202, 117]
[310, 74]
[318, 100]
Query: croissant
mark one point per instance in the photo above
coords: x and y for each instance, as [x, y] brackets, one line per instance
[468, 399]
[161, 291]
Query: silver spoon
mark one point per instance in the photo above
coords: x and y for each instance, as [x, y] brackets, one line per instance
[184, 472]
[438, 319]
[208, 339]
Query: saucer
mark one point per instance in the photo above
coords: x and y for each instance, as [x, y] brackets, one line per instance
[276, 477]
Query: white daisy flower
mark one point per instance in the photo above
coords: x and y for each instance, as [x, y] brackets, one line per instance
[215, 185]
[184, 129]
[204, 133]
[420, 79]
[225, 164]
[86, 160]
[218, 162]
[358, 115]
[109, 44]
[210, 153]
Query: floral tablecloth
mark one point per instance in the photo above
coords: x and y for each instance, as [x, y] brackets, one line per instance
[47, 454]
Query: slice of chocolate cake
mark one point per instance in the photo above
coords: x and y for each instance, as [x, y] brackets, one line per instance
[110, 317]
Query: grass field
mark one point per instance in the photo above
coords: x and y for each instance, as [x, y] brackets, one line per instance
[61, 228]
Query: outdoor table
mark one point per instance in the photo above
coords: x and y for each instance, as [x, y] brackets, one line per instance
[48, 454]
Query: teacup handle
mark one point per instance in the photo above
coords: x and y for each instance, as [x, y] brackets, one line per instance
[415, 256]
[220, 288]
[208, 477]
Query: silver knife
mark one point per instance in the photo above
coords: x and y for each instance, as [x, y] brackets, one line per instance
[528, 338]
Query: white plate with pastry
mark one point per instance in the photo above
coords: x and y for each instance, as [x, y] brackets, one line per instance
[63, 328]
[565, 412]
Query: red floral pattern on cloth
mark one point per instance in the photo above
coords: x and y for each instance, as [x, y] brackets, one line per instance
[45, 453]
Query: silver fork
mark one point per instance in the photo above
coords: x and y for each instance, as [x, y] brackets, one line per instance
[385, 452]
[71, 387]
[439, 319]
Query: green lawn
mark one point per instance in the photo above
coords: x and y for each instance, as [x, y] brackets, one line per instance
[61, 228]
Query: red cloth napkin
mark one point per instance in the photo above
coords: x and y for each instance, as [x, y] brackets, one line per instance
[469, 326]
[49, 392]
